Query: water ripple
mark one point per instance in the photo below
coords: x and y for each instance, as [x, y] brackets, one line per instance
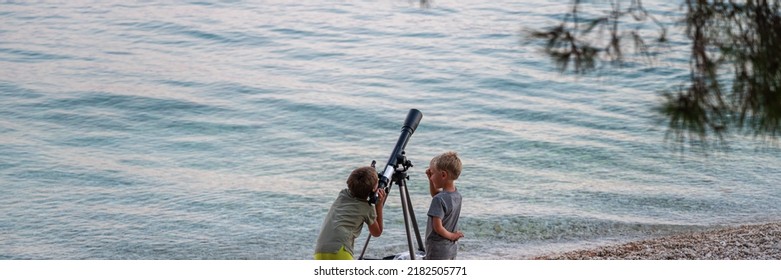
[224, 129]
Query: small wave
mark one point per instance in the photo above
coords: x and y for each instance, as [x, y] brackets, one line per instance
[521, 229]
[30, 56]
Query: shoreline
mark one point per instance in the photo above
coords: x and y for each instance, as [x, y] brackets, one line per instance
[744, 242]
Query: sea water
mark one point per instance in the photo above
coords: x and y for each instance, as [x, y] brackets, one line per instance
[225, 129]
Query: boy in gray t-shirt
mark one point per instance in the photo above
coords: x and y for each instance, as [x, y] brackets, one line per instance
[442, 225]
[348, 213]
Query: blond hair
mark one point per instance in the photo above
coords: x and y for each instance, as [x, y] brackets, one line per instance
[361, 181]
[448, 162]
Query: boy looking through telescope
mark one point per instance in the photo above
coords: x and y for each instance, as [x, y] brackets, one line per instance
[348, 213]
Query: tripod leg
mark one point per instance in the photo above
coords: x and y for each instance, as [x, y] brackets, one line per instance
[414, 221]
[365, 245]
[405, 205]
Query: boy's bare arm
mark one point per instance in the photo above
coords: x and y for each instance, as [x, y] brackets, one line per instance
[442, 231]
[375, 229]
[431, 188]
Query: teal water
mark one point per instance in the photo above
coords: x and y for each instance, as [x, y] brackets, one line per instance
[224, 130]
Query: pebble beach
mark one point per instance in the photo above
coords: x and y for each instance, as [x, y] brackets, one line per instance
[746, 242]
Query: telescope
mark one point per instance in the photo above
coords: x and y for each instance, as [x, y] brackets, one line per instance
[397, 157]
[395, 171]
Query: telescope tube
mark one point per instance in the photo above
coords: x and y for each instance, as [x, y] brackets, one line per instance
[410, 124]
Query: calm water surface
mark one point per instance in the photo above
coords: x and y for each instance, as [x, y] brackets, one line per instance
[224, 130]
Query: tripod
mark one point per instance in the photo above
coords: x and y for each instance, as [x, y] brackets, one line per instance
[400, 177]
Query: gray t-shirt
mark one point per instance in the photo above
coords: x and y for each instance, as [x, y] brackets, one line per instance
[446, 206]
[344, 222]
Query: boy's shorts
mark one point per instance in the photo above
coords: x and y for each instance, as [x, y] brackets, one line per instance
[446, 250]
[342, 254]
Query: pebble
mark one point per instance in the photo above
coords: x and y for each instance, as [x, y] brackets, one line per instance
[747, 242]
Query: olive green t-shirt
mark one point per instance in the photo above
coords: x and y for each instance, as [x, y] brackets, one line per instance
[344, 222]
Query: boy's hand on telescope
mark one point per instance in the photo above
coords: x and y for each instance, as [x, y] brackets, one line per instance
[381, 195]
